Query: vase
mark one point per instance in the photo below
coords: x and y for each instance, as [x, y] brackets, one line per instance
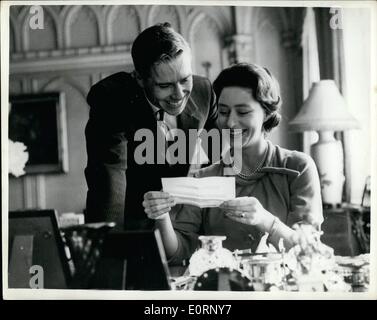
[211, 255]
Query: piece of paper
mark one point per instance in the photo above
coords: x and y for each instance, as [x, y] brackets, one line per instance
[201, 192]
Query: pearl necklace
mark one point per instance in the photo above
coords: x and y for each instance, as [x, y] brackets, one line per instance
[257, 168]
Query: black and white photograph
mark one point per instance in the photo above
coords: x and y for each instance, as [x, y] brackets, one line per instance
[188, 150]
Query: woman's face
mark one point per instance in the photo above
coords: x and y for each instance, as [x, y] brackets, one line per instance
[239, 110]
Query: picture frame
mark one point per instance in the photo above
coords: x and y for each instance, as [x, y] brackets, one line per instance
[39, 122]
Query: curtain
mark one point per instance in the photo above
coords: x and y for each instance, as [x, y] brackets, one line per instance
[311, 71]
[358, 41]
[331, 65]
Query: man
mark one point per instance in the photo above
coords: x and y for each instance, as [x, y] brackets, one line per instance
[162, 87]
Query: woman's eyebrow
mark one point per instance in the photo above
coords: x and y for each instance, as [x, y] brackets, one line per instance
[242, 105]
[186, 77]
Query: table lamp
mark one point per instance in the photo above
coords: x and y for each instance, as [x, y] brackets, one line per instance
[325, 111]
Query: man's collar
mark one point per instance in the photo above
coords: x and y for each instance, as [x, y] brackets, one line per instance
[154, 108]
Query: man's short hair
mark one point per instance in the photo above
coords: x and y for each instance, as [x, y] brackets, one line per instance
[154, 45]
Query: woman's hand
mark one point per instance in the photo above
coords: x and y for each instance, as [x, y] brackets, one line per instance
[248, 210]
[157, 204]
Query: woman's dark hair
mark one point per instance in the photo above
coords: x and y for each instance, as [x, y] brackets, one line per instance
[265, 89]
[154, 45]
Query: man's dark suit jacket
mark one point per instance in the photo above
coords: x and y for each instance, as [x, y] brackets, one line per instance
[118, 108]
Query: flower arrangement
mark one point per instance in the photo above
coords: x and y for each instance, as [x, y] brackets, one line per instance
[18, 156]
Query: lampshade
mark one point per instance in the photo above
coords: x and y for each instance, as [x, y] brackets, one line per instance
[324, 109]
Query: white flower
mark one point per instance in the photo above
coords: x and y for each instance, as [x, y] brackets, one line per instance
[18, 156]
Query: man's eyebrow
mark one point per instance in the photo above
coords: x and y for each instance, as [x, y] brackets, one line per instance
[163, 83]
[169, 83]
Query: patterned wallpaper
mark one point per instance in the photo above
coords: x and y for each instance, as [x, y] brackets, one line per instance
[79, 45]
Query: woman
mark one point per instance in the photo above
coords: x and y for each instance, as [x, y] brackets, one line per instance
[275, 187]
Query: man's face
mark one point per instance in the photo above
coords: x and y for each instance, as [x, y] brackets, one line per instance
[170, 84]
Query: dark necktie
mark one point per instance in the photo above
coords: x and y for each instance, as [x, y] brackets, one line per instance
[165, 130]
[160, 115]
[161, 123]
